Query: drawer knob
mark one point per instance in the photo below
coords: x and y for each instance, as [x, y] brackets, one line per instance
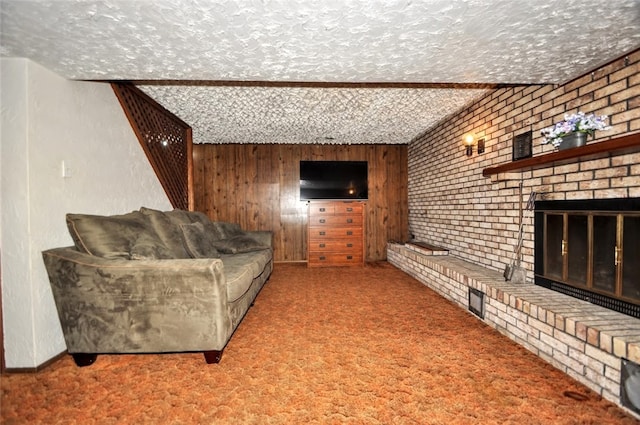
[349, 245]
[349, 220]
[349, 257]
[322, 245]
[322, 258]
[322, 233]
[322, 220]
[349, 233]
[322, 210]
[349, 209]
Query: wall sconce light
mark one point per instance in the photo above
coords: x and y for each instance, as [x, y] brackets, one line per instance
[469, 140]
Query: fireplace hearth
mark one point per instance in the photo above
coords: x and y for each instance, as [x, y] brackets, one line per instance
[590, 249]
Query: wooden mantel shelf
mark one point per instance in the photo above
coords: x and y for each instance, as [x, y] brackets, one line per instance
[619, 145]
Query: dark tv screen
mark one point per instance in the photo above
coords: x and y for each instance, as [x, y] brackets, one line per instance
[333, 180]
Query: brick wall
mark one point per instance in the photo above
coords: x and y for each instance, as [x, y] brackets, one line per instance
[476, 218]
[452, 205]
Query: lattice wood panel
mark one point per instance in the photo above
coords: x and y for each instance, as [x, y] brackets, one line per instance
[165, 139]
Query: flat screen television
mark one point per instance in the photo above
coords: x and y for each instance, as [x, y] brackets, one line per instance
[333, 180]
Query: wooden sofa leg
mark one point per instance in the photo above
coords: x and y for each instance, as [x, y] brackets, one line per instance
[213, 356]
[84, 359]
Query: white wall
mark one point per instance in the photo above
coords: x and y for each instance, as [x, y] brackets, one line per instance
[46, 120]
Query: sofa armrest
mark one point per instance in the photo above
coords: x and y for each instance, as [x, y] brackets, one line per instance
[265, 237]
[128, 306]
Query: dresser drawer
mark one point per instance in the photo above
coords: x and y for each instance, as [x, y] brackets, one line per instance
[336, 220]
[338, 208]
[318, 259]
[348, 208]
[343, 245]
[318, 233]
[317, 209]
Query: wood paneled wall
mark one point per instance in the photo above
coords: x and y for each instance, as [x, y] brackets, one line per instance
[257, 186]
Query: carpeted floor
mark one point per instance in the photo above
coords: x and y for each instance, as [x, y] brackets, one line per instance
[322, 346]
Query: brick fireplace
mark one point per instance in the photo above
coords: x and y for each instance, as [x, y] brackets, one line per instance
[454, 204]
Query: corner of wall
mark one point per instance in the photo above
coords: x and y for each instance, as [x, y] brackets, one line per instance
[52, 120]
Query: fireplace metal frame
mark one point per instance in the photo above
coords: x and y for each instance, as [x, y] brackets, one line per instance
[618, 205]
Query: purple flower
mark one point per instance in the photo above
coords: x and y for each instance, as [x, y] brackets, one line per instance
[578, 122]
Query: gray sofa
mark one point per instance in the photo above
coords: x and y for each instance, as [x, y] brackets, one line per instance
[154, 282]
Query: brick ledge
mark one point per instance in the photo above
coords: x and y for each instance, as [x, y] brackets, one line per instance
[612, 332]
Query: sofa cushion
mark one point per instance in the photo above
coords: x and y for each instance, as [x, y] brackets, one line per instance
[199, 242]
[167, 228]
[256, 260]
[238, 278]
[117, 236]
[239, 244]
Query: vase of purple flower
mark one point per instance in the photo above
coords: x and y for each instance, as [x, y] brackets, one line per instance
[572, 132]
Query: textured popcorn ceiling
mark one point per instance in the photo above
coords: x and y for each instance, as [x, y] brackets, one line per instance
[342, 41]
[308, 115]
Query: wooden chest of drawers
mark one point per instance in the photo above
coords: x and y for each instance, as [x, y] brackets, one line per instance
[336, 234]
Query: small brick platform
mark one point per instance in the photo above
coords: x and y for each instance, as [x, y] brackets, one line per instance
[583, 340]
[427, 248]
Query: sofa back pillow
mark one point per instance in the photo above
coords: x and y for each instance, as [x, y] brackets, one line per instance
[179, 217]
[239, 243]
[118, 236]
[166, 225]
[199, 242]
[228, 230]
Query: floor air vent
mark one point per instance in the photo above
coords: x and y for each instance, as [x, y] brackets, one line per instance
[476, 302]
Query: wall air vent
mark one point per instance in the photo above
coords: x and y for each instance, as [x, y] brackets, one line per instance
[476, 302]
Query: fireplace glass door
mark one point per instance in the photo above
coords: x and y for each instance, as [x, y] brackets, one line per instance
[631, 261]
[595, 251]
[604, 252]
[554, 244]
[577, 249]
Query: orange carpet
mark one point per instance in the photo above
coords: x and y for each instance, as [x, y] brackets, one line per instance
[322, 346]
